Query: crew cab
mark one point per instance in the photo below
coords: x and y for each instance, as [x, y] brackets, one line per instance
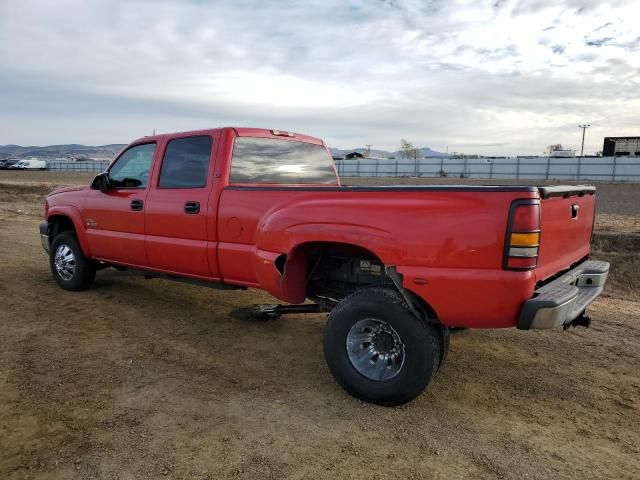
[396, 266]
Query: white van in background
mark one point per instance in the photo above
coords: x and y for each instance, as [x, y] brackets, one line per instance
[30, 165]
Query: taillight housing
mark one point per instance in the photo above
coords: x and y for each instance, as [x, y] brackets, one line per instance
[522, 241]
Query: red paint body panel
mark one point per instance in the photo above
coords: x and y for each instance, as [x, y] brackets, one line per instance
[564, 238]
[175, 241]
[472, 298]
[448, 243]
[113, 230]
[65, 209]
[460, 255]
[264, 133]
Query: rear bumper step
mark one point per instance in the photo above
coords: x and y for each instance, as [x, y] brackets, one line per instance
[560, 302]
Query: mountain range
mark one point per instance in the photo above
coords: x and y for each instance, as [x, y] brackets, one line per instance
[111, 150]
[57, 151]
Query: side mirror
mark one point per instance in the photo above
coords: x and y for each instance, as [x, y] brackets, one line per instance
[101, 182]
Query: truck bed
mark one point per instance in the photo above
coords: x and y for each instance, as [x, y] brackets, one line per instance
[450, 235]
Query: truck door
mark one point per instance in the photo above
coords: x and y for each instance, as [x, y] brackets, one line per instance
[114, 218]
[178, 210]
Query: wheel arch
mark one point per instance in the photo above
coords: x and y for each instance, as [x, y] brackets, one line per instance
[425, 309]
[286, 275]
[63, 219]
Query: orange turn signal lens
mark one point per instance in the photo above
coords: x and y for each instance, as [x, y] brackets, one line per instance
[525, 239]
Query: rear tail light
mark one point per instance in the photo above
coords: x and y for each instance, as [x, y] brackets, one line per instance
[522, 242]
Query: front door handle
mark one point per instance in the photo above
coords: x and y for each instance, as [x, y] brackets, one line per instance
[136, 205]
[192, 207]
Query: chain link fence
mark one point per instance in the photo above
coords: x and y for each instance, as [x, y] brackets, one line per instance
[579, 168]
[585, 168]
[88, 166]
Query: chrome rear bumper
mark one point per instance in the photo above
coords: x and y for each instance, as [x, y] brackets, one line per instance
[558, 303]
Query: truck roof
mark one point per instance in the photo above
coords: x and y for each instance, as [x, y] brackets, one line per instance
[240, 132]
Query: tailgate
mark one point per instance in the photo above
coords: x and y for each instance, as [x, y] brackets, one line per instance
[567, 215]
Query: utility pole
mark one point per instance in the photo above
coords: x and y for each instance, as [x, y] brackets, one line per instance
[368, 150]
[584, 128]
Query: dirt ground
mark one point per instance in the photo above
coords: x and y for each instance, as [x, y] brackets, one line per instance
[144, 379]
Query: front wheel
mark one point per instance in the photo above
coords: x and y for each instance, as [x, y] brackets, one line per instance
[378, 350]
[69, 267]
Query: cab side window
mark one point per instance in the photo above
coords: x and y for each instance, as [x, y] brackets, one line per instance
[186, 162]
[131, 169]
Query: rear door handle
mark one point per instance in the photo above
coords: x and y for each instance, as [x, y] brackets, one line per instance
[136, 205]
[192, 207]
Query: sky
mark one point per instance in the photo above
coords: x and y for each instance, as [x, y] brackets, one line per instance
[495, 77]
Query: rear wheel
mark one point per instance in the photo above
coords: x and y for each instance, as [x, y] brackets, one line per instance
[444, 339]
[69, 267]
[378, 350]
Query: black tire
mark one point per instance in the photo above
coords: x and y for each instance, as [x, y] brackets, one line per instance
[84, 271]
[445, 342]
[421, 351]
[443, 332]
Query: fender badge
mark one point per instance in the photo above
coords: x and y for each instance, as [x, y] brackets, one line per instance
[91, 223]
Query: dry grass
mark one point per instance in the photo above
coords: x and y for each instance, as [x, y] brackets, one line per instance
[624, 276]
[617, 222]
[24, 192]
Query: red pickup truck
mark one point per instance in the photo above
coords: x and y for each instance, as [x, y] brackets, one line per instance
[396, 266]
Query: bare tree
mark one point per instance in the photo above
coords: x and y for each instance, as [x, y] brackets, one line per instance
[408, 150]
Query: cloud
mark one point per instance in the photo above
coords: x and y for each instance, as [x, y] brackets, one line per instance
[493, 77]
[603, 26]
[598, 42]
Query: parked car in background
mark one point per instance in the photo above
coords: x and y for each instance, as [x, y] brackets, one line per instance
[7, 163]
[17, 165]
[30, 165]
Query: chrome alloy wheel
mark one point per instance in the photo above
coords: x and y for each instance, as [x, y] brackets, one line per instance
[65, 262]
[375, 349]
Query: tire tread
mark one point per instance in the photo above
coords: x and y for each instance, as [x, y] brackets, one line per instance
[429, 332]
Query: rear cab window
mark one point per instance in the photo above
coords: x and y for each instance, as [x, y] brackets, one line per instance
[186, 162]
[275, 161]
